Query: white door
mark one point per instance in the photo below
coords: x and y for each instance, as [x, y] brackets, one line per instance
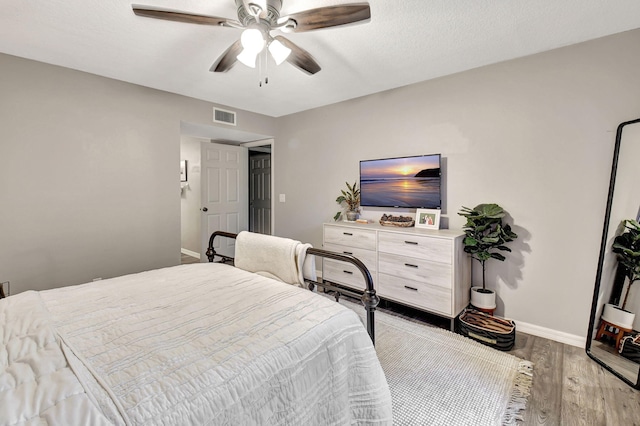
[224, 194]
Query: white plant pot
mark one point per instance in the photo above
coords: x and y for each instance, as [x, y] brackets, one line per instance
[616, 316]
[483, 300]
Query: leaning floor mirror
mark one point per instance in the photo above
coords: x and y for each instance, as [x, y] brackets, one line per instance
[613, 338]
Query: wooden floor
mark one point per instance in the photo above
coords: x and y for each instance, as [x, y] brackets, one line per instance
[186, 259]
[568, 387]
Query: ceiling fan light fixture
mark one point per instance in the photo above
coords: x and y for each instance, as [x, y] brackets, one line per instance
[252, 40]
[248, 58]
[279, 52]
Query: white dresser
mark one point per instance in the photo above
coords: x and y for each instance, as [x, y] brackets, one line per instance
[422, 268]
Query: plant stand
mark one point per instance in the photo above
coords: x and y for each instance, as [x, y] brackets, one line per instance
[485, 310]
[611, 330]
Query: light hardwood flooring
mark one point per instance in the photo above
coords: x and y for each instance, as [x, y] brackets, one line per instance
[568, 387]
[186, 259]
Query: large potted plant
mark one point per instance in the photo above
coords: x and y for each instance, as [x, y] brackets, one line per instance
[626, 246]
[485, 238]
[350, 197]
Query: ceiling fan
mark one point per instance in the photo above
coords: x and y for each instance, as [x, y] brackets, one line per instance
[258, 18]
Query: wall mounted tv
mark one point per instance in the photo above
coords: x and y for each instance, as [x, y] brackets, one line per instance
[412, 182]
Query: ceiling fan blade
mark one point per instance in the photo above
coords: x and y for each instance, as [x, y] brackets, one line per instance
[330, 16]
[191, 18]
[228, 59]
[299, 57]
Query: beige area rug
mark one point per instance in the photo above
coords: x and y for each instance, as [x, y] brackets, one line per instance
[441, 378]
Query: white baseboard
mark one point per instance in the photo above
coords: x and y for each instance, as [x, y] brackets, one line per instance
[190, 253]
[547, 333]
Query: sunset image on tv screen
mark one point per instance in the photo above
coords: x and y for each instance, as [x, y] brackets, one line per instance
[401, 182]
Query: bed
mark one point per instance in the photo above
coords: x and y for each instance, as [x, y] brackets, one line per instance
[206, 343]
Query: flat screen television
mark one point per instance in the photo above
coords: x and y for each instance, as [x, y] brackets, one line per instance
[412, 182]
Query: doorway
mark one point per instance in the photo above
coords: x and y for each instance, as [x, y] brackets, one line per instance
[260, 189]
[190, 193]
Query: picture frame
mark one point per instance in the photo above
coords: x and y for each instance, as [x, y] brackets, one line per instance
[428, 218]
[183, 170]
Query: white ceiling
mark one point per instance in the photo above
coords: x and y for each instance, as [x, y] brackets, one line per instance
[405, 42]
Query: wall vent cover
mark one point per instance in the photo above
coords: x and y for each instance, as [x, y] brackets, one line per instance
[224, 116]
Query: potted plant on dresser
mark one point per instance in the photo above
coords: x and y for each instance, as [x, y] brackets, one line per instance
[626, 246]
[350, 197]
[485, 237]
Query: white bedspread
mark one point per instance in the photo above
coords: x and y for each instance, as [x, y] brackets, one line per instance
[37, 385]
[212, 344]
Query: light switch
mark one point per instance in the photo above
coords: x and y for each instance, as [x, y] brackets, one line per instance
[282, 198]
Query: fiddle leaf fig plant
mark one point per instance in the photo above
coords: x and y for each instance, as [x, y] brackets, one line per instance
[485, 234]
[627, 248]
[350, 197]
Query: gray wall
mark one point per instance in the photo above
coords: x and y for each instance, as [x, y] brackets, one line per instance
[534, 135]
[89, 181]
[89, 187]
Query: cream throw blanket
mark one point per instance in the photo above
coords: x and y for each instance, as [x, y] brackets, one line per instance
[280, 258]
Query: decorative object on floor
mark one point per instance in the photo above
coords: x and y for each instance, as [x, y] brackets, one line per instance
[610, 280]
[498, 333]
[428, 218]
[485, 236]
[612, 330]
[402, 221]
[258, 18]
[440, 378]
[626, 246]
[616, 321]
[630, 348]
[350, 197]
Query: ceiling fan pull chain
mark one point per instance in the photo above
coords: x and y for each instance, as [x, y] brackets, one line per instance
[260, 69]
[266, 67]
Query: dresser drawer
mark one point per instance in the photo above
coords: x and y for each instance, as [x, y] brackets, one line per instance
[350, 237]
[419, 246]
[343, 273]
[437, 274]
[418, 294]
[367, 257]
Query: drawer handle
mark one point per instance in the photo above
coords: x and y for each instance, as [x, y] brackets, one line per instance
[348, 252]
[347, 233]
[415, 243]
[410, 288]
[348, 272]
[410, 265]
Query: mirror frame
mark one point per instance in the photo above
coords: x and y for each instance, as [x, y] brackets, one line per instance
[603, 250]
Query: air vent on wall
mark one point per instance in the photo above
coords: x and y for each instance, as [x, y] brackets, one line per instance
[224, 116]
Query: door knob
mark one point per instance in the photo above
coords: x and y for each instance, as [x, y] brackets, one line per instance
[204, 209]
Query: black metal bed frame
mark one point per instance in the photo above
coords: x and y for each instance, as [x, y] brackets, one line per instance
[369, 298]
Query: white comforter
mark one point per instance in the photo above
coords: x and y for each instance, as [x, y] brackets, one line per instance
[194, 344]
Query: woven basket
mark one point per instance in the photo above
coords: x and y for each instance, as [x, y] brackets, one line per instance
[498, 333]
[400, 224]
[630, 349]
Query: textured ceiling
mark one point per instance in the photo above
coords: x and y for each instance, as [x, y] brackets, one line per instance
[405, 42]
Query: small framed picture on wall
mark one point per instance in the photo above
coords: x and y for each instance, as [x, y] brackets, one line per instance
[428, 218]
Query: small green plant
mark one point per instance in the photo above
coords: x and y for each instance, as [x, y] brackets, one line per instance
[627, 248]
[350, 197]
[485, 234]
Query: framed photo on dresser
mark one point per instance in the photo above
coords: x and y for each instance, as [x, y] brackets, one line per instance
[428, 218]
